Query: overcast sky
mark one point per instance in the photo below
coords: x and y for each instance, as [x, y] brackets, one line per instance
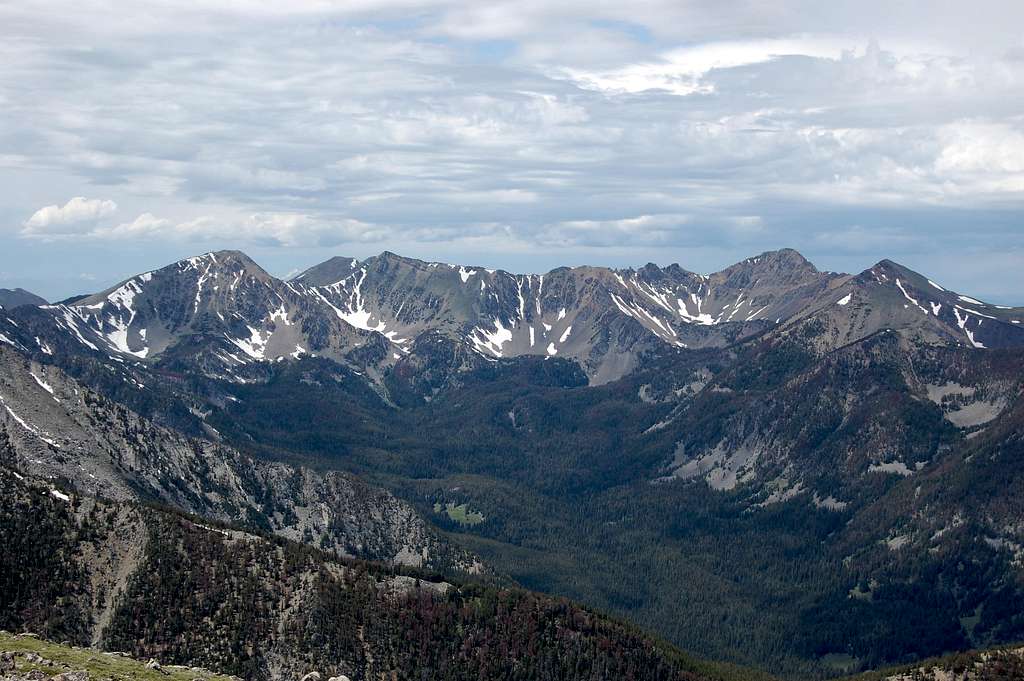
[518, 134]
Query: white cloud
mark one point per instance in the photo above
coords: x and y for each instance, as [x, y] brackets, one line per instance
[285, 229]
[145, 225]
[75, 216]
[647, 229]
[682, 71]
[493, 196]
[985, 149]
[271, 228]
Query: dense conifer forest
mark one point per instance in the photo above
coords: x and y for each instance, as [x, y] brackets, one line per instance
[563, 478]
[256, 606]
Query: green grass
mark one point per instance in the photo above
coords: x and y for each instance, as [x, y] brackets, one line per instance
[840, 663]
[61, 658]
[461, 514]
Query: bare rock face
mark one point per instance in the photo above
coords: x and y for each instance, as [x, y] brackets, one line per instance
[52, 426]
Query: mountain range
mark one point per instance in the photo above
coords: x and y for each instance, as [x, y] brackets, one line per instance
[374, 315]
[803, 471]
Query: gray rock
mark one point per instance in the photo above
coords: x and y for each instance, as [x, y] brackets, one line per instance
[155, 666]
[79, 675]
[203, 477]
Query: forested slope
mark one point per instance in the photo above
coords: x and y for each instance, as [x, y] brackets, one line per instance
[267, 608]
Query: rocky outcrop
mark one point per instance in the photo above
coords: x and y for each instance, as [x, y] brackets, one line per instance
[53, 427]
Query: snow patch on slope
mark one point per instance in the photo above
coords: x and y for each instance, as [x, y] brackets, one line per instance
[357, 314]
[43, 384]
[894, 467]
[962, 323]
[492, 341]
[41, 434]
[907, 296]
[700, 317]
[280, 315]
[124, 299]
[255, 346]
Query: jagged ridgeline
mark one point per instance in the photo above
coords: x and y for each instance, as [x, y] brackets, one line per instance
[221, 313]
[160, 585]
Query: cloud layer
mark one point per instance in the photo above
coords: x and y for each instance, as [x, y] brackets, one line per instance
[73, 217]
[853, 131]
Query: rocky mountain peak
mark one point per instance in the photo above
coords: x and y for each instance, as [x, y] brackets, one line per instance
[892, 297]
[389, 261]
[328, 272]
[11, 298]
[786, 258]
[391, 256]
[892, 268]
[677, 272]
[226, 261]
[785, 265]
[651, 273]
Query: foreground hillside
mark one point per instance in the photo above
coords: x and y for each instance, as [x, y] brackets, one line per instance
[161, 585]
[25, 657]
[1003, 664]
